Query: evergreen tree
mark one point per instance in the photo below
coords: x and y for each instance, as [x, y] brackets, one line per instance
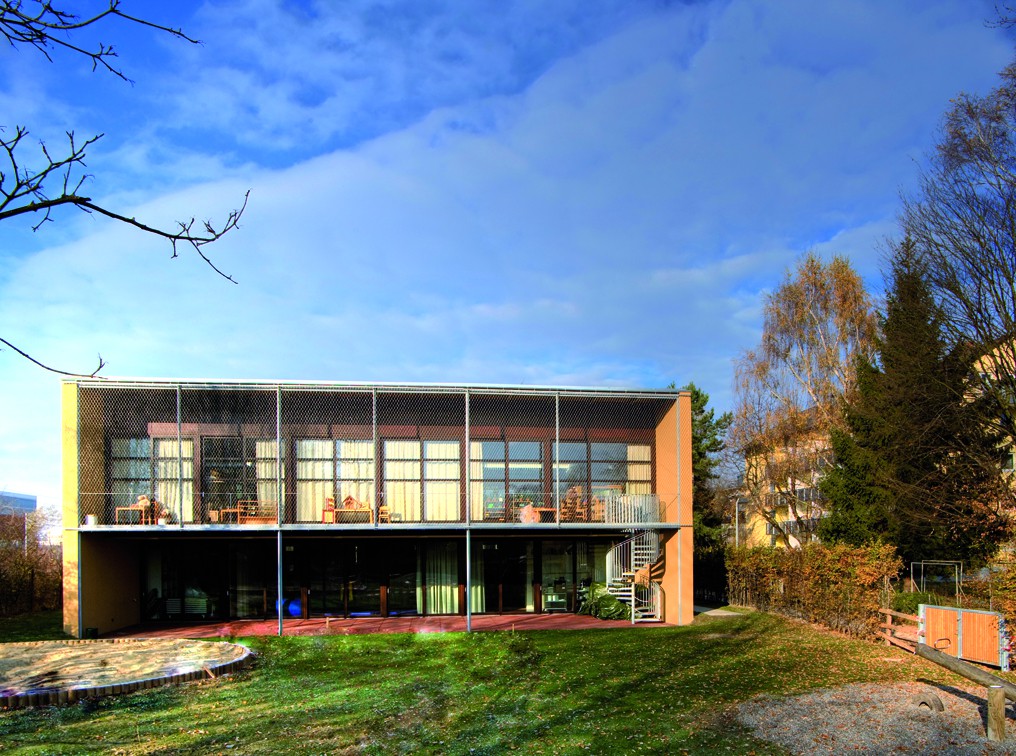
[914, 465]
[707, 441]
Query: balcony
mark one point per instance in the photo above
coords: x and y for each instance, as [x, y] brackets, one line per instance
[618, 510]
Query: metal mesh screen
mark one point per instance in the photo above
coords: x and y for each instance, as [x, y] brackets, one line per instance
[365, 456]
[330, 435]
[127, 451]
[235, 471]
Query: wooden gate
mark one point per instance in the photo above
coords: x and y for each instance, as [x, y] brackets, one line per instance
[969, 634]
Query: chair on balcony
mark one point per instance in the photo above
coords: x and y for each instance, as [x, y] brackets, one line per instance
[495, 511]
[573, 507]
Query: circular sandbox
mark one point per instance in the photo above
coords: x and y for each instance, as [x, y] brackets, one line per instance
[63, 672]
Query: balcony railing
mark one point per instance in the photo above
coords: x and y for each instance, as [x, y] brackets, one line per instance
[105, 510]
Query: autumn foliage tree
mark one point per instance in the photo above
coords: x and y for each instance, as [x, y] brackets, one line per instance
[790, 390]
[30, 569]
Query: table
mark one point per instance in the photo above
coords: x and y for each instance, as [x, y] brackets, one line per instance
[142, 510]
[235, 511]
[361, 515]
[531, 514]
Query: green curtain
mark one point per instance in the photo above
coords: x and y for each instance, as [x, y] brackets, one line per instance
[477, 594]
[442, 578]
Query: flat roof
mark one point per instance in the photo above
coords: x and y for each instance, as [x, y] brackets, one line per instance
[17, 502]
[409, 387]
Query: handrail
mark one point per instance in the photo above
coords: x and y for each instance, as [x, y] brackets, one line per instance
[628, 574]
[623, 510]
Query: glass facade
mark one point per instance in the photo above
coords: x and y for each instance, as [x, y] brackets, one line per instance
[369, 492]
[213, 458]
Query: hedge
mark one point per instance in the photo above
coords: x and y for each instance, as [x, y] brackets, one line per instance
[840, 587]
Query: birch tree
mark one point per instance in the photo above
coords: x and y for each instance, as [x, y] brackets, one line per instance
[790, 390]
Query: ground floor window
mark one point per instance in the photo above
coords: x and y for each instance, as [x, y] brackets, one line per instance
[362, 577]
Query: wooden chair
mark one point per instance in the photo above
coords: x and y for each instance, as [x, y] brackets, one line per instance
[573, 507]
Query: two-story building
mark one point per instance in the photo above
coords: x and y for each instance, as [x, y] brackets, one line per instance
[193, 500]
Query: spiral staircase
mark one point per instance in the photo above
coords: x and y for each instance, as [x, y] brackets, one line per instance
[630, 575]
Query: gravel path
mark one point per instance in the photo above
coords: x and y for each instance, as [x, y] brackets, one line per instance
[52, 665]
[878, 719]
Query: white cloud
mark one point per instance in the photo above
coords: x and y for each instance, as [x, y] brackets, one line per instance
[608, 217]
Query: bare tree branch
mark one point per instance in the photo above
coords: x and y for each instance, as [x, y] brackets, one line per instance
[43, 29]
[23, 191]
[58, 181]
[963, 223]
[30, 358]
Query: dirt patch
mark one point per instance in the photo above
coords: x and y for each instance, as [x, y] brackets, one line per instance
[45, 668]
[878, 719]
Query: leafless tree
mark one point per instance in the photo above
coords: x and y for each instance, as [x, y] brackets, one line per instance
[963, 223]
[30, 570]
[54, 180]
[790, 390]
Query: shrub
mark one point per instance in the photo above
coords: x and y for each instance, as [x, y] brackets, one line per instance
[838, 586]
[601, 604]
[907, 602]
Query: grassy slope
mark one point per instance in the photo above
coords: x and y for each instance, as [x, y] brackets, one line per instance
[653, 690]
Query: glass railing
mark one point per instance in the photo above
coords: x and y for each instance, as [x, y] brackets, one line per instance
[624, 510]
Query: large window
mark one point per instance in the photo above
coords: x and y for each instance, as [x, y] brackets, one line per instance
[236, 469]
[604, 468]
[402, 480]
[334, 469]
[422, 480]
[505, 475]
[441, 481]
[315, 477]
[130, 469]
[487, 480]
[173, 468]
[156, 467]
[354, 470]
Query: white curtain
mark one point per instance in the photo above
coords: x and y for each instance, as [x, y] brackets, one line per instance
[174, 463]
[402, 480]
[441, 490]
[477, 593]
[266, 467]
[639, 469]
[315, 479]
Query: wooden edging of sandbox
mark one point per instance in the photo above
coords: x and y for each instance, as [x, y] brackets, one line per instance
[68, 696]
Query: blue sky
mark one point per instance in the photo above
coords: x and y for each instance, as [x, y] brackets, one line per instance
[590, 193]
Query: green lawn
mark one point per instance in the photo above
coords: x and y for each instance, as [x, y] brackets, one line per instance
[32, 627]
[651, 690]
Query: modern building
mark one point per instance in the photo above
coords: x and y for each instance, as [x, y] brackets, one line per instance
[17, 504]
[227, 500]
